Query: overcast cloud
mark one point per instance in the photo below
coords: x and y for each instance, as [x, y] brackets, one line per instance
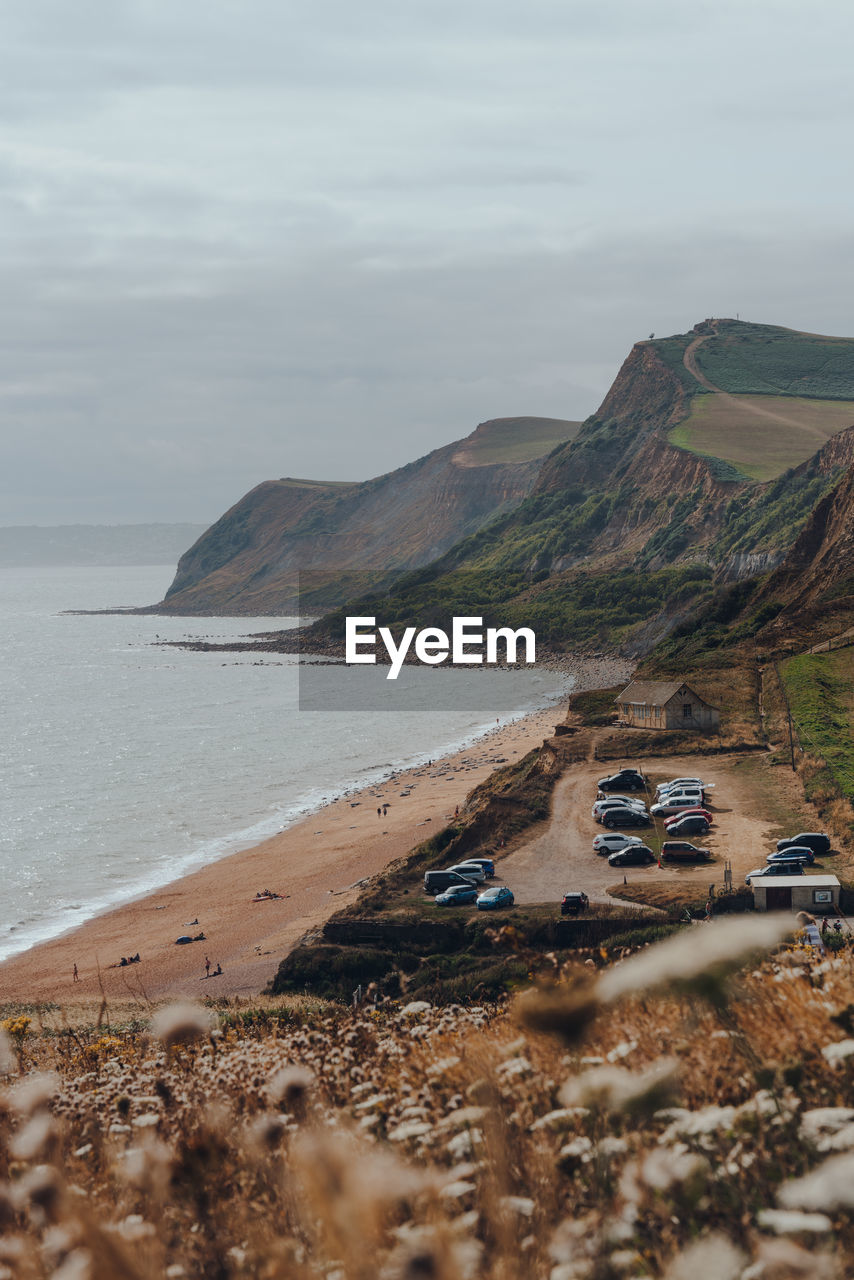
[251, 238]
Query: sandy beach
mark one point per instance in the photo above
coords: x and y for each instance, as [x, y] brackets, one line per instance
[316, 864]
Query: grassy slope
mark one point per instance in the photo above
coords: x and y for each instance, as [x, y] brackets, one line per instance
[515, 440]
[819, 686]
[758, 446]
[754, 359]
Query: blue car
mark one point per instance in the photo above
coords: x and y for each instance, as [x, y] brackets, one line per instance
[499, 896]
[457, 895]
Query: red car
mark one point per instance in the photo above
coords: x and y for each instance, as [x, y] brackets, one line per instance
[689, 813]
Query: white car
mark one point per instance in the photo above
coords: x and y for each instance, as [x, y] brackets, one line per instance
[676, 804]
[679, 784]
[686, 793]
[613, 841]
[687, 789]
[602, 806]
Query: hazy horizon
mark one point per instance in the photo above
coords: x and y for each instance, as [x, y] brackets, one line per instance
[242, 242]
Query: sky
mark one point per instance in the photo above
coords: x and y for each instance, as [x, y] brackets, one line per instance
[243, 239]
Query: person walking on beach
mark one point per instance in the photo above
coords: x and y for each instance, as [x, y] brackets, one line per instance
[379, 812]
[207, 967]
[75, 976]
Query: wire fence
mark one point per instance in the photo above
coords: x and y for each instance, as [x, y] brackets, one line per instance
[841, 773]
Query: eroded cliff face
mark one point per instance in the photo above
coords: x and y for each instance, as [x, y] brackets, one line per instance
[665, 504]
[249, 561]
[645, 399]
[819, 569]
[669, 505]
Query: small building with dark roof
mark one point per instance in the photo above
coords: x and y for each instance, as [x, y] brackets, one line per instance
[666, 704]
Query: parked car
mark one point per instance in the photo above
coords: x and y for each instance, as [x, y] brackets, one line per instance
[572, 903]
[680, 784]
[634, 855]
[611, 841]
[438, 881]
[698, 810]
[801, 855]
[683, 851]
[626, 818]
[818, 841]
[676, 804]
[603, 806]
[487, 864]
[471, 870]
[457, 895]
[624, 780]
[634, 801]
[692, 824]
[775, 869]
[498, 896]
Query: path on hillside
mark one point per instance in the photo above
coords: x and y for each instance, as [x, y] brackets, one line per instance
[840, 641]
[747, 403]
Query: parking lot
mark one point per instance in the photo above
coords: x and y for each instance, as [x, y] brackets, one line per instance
[561, 858]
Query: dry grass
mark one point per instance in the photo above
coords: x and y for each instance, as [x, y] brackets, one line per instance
[414, 1142]
[514, 440]
[761, 435]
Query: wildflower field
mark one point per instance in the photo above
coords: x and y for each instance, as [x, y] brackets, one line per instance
[687, 1111]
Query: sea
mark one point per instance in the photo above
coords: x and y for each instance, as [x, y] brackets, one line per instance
[125, 763]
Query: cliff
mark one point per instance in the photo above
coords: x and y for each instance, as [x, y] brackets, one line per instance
[248, 562]
[649, 512]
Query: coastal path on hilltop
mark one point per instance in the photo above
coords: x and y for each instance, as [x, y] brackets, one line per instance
[748, 404]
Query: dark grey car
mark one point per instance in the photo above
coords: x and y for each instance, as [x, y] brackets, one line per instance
[818, 841]
[626, 818]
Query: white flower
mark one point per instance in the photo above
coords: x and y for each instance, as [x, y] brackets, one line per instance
[182, 1023]
[718, 946]
[33, 1092]
[558, 1121]
[290, 1085]
[412, 1129]
[786, 1221]
[714, 1258]
[35, 1139]
[617, 1089]
[666, 1166]
[415, 1007]
[838, 1051]
[621, 1050]
[521, 1205]
[830, 1186]
[695, 1124]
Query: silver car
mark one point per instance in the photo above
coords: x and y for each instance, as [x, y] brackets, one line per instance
[613, 841]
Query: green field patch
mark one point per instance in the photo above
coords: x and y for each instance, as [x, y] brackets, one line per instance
[760, 436]
[821, 696]
[758, 359]
[514, 440]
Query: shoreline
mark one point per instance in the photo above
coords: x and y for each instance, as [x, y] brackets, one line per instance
[318, 863]
[303, 808]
